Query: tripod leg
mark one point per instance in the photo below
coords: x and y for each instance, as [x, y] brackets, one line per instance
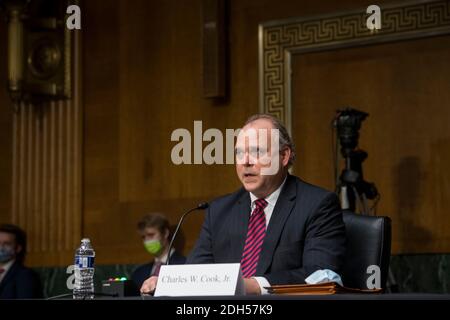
[345, 204]
[364, 205]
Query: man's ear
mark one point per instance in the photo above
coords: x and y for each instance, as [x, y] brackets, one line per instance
[18, 249]
[285, 156]
[166, 234]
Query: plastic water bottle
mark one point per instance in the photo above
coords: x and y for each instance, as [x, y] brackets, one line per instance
[84, 271]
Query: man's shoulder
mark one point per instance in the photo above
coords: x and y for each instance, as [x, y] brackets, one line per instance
[308, 192]
[293, 184]
[143, 269]
[304, 186]
[229, 198]
[21, 270]
[177, 258]
[22, 273]
[226, 204]
[304, 191]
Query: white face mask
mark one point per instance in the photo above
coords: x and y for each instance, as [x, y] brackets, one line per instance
[6, 254]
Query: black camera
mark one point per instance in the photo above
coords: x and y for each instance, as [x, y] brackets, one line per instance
[348, 123]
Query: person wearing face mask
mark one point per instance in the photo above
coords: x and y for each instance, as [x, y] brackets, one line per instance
[154, 231]
[16, 280]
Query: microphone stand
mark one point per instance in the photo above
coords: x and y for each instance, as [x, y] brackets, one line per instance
[201, 206]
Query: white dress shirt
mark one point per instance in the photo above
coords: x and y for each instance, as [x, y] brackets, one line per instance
[6, 268]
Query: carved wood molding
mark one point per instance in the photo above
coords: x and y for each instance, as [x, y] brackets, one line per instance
[279, 40]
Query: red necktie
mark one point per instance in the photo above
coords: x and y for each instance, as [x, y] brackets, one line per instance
[157, 268]
[2, 270]
[255, 238]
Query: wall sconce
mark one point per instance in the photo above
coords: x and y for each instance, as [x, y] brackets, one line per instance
[39, 50]
[14, 11]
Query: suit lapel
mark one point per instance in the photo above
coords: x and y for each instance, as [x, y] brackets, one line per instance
[239, 225]
[9, 275]
[281, 212]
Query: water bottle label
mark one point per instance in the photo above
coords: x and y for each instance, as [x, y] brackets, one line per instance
[84, 262]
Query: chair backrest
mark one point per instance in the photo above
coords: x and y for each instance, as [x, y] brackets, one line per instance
[368, 243]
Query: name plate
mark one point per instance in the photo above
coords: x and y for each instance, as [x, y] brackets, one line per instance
[221, 279]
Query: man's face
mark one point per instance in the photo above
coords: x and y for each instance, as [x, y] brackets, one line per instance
[151, 233]
[260, 165]
[8, 244]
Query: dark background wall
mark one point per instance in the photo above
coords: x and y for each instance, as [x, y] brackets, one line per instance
[6, 113]
[142, 79]
[404, 88]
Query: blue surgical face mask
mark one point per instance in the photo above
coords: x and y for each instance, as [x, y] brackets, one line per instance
[6, 254]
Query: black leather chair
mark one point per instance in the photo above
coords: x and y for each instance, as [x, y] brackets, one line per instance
[368, 243]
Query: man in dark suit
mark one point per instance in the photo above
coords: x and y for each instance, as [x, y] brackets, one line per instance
[278, 227]
[16, 280]
[154, 231]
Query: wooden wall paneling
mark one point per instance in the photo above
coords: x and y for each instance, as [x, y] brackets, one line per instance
[6, 137]
[405, 134]
[153, 87]
[46, 182]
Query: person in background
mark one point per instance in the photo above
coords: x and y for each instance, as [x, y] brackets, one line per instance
[16, 280]
[154, 231]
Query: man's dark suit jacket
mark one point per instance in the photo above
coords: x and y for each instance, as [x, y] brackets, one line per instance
[305, 233]
[20, 283]
[142, 273]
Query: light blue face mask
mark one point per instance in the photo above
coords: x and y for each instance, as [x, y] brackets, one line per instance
[6, 254]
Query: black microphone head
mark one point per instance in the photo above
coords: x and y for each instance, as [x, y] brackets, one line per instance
[203, 205]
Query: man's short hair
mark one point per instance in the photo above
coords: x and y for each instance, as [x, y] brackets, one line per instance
[20, 237]
[285, 138]
[154, 220]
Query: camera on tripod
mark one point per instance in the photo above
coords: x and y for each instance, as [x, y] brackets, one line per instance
[351, 185]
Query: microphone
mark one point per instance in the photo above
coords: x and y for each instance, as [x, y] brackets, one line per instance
[201, 206]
